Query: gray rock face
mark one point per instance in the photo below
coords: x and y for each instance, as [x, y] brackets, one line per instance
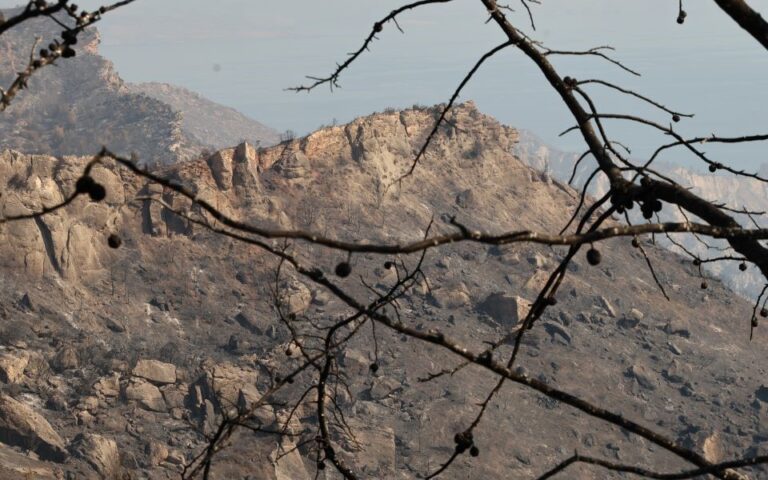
[21, 425]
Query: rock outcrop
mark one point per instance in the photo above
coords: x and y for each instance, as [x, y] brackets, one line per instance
[133, 352]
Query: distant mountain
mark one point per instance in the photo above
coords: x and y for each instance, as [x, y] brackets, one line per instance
[736, 192]
[208, 122]
[80, 104]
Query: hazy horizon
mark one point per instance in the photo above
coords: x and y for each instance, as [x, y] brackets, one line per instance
[244, 55]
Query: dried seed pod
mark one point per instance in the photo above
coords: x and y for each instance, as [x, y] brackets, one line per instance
[343, 269]
[114, 241]
[594, 257]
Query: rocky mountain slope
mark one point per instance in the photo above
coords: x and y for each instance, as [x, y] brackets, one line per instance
[736, 192]
[208, 122]
[115, 362]
[82, 104]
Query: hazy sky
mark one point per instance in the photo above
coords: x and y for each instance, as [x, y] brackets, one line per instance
[243, 53]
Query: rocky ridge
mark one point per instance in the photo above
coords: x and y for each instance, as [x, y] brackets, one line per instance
[121, 359]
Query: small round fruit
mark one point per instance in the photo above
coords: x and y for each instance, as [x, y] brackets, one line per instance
[712, 167]
[763, 312]
[743, 266]
[675, 118]
[343, 269]
[97, 192]
[378, 27]
[84, 184]
[114, 241]
[754, 322]
[474, 451]
[388, 265]
[696, 262]
[551, 301]
[374, 367]
[594, 257]
[704, 285]
[635, 243]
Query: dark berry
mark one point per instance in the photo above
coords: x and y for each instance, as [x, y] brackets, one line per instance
[754, 322]
[378, 27]
[374, 367]
[763, 312]
[97, 192]
[474, 451]
[635, 243]
[704, 285]
[696, 262]
[551, 301]
[114, 241]
[675, 118]
[594, 257]
[712, 167]
[343, 269]
[388, 265]
[330, 454]
[742, 266]
[68, 52]
[84, 184]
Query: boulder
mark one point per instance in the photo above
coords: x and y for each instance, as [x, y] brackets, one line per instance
[145, 394]
[14, 465]
[297, 297]
[289, 466]
[450, 297]
[678, 326]
[100, 452]
[644, 376]
[220, 164]
[505, 309]
[65, 359]
[558, 333]
[156, 453]
[604, 304]
[155, 371]
[108, 386]
[12, 365]
[22, 426]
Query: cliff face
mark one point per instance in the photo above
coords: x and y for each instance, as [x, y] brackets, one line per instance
[82, 103]
[125, 348]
